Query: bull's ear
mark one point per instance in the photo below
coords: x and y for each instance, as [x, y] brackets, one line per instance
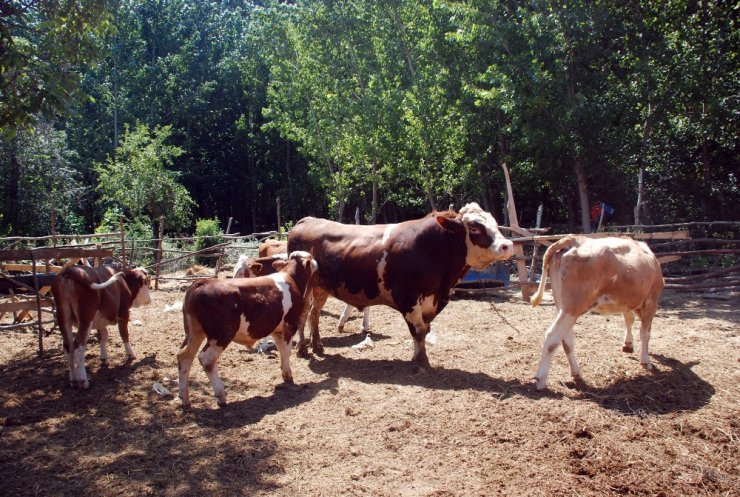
[447, 223]
[255, 267]
[279, 264]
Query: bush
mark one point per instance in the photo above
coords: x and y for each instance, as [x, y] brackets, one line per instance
[208, 233]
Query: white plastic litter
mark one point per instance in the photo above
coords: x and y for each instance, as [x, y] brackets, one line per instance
[160, 389]
[265, 346]
[177, 306]
[367, 343]
[137, 322]
[431, 338]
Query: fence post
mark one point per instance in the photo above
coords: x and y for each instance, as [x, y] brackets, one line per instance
[218, 261]
[123, 241]
[279, 231]
[159, 252]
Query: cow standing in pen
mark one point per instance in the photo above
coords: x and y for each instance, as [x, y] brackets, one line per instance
[410, 266]
[242, 310]
[96, 298]
[604, 275]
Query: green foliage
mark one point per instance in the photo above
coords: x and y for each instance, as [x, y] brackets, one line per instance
[208, 233]
[42, 45]
[137, 177]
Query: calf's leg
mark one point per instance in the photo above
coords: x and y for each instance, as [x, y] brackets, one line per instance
[569, 348]
[283, 347]
[123, 331]
[558, 330]
[185, 356]
[629, 320]
[209, 360]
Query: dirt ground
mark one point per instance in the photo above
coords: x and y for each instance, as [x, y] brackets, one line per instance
[361, 423]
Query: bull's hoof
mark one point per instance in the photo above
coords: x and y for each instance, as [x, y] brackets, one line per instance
[185, 404]
[647, 366]
[540, 384]
[302, 351]
[221, 401]
[288, 379]
[318, 348]
[627, 348]
[421, 365]
[104, 362]
[340, 329]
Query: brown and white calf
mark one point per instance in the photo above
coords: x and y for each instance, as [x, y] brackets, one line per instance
[90, 298]
[261, 266]
[604, 275]
[410, 266]
[242, 310]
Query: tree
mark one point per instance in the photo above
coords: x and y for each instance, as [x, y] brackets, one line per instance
[137, 177]
[43, 45]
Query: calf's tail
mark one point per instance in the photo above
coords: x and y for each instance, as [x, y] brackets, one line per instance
[562, 244]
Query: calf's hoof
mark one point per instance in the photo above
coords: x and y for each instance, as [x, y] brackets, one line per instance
[646, 366]
[627, 348]
[104, 362]
[540, 384]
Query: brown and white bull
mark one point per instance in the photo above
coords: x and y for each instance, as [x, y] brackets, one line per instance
[410, 266]
[242, 310]
[90, 298]
[604, 275]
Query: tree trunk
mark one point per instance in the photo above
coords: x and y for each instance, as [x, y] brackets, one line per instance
[583, 195]
[14, 179]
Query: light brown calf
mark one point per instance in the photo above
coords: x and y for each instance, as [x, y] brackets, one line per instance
[604, 275]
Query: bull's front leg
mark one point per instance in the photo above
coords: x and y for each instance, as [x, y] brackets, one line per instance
[319, 299]
[419, 330]
[301, 345]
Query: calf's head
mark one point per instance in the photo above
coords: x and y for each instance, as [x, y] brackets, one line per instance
[138, 281]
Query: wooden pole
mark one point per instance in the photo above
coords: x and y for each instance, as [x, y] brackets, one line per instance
[279, 224]
[159, 252]
[220, 257]
[521, 264]
[123, 242]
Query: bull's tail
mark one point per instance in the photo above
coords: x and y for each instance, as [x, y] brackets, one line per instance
[562, 244]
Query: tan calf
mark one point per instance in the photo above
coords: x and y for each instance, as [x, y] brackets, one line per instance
[604, 275]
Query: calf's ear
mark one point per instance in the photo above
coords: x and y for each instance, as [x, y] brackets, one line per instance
[279, 264]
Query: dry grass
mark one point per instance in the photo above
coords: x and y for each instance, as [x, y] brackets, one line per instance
[360, 423]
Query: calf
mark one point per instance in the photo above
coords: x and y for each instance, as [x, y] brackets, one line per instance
[258, 266]
[95, 298]
[242, 310]
[410, 266]
[272, 247]
[604, 275]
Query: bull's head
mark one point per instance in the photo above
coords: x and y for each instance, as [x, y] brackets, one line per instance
[484, 241]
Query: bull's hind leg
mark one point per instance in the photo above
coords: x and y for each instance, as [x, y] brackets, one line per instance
[193, 339]
[556, 333]
[646, 322]
[78, 373]
[123, 331]
[103, 339]
[319, 299]
[209, 360]
[629, 320]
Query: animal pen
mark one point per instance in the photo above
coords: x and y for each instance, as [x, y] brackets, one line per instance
[709, 251]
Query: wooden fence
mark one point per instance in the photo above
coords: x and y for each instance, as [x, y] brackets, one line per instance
[707, 252]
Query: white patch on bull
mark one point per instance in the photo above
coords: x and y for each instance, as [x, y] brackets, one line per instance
[500, 248]
[384, 290]
[606, 304]
[282, 285]
[425, 306]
